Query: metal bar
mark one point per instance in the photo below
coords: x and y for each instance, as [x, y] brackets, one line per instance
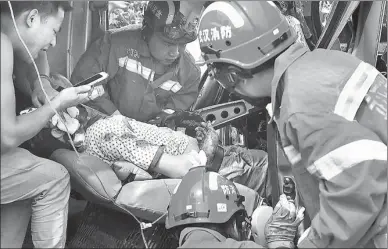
[369, 29]
[350, 8]
[69, 64]
[337, 21]
[222, 114]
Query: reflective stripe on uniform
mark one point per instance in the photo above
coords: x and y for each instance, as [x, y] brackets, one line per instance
[171, 85]
[171, 12]
[347, 156]
[168, 111]
[292, 154]
[355, 90]
[136, 67]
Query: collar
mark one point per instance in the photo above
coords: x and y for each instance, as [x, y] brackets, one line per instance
[185, 232]
[142, 47]
[282, 63]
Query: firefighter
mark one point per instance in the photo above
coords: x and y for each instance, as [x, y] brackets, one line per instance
[150, 73]
[330, 112]
[207, 211]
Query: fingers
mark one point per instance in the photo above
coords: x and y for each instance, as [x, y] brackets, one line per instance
[83, 97]
[36, 102]
[285, 208]
[300, 215]
[292, 209]
[82, 89]
[140, 174]
[122, 168]
[282, 200]
[73, 111]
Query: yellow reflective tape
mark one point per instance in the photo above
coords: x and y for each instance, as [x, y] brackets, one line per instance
[292, 154]
[171, 12]
[213, 181]
[355, 91]
[171, 85]
[176, 88]
[347, 156]
[136, 67]
[169, 111]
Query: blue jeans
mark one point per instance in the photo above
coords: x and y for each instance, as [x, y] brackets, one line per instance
[43, 187]
[247, 167]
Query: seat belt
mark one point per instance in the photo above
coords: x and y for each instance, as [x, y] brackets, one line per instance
[272, 136]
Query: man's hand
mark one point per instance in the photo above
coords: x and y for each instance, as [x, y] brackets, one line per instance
[282, 227]
[123, 169]
[192, 145]
[38, 97]
[189, 161]
[71, 96]
[186, 119]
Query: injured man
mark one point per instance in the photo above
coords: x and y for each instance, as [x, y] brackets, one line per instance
[133, 148]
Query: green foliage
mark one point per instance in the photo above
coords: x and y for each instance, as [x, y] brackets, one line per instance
[125, 13]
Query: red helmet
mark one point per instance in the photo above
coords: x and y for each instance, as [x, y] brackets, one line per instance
[175, 21]
[243, 33]
[203, 197]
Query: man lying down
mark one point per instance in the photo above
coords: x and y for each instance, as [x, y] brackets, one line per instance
[137, 150]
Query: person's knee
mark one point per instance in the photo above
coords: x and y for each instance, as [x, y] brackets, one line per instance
[57, 172]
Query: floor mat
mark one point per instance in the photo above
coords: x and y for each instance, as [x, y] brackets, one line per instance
[101, 227]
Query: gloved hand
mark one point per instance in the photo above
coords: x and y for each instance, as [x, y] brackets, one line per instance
[159, 120]
[207, 139]
[282, 227]
[186, 119]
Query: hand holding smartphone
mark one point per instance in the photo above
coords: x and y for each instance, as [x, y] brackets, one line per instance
[94, 81]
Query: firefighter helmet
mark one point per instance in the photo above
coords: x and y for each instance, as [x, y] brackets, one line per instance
[174, 21]
[203, 197]
[243, 33]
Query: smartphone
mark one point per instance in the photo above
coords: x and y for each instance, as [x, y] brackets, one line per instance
[93, 81]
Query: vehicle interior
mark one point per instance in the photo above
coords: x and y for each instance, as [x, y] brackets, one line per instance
[101, 208]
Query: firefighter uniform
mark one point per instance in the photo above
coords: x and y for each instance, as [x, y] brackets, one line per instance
[198, 237]
[331, 112]
[134, 87]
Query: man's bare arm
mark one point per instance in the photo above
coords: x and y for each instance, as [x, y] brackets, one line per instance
[27, 79]
[16, 129]
[37, 96]
[44, 68]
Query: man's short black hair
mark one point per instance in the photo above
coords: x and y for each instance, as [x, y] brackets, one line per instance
[46, 8]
